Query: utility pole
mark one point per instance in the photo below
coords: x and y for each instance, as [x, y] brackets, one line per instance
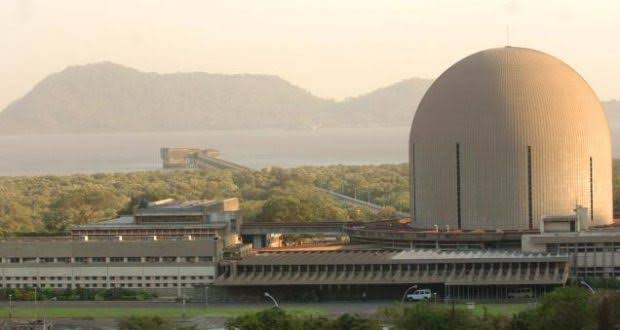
[453, 315]
[36, 305]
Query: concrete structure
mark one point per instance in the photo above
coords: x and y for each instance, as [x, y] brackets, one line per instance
[504, 137]
[168, 247]
[263, 234]
[170, 268]
[592, 254]
[176, 158]
[469, 274]
[169, 219]
[188, 158]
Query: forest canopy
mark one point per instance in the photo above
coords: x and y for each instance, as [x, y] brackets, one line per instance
[50, 204]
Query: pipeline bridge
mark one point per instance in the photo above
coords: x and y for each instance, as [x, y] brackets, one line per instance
[259, 233]
[202, 160]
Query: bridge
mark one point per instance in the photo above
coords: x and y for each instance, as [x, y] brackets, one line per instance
[204, 161]
[358, 202]
[210, 159]
[259, 232]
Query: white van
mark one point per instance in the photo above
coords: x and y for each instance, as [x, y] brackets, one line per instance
[521, 293]
[419, 295]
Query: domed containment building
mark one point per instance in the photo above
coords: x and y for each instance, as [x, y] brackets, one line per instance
[507, 136]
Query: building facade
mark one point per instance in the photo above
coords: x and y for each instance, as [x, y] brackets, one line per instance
[504, 137]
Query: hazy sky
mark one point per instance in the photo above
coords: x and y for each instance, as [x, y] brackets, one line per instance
[333, 48]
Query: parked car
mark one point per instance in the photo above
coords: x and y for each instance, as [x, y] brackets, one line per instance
[521, 293]
[419, 295]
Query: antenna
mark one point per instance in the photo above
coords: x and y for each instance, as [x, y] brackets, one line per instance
[507, 35]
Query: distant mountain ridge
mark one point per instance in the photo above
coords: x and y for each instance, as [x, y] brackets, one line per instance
[107, 97]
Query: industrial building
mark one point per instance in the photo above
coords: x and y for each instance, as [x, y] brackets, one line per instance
[504, 137]
[510, 161]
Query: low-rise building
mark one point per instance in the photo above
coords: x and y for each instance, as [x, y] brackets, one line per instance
[168, 219]
[170, 268]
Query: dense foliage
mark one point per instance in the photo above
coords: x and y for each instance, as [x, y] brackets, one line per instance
[28, 294]
[564, 308]
[278, 319]
[150, 323]
[52, 203]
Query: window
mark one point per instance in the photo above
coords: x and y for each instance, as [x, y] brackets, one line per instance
[147, 277]
[97, 259]
[46, 260]
[170, 259]
[152, 259]
[63, 259]
[117, 259]
[205, 259]
[190, 259]
[14, 260]
[134, 259]
[29, 260]
[80, 259]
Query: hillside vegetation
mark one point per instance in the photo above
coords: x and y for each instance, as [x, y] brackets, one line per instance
[52, 203]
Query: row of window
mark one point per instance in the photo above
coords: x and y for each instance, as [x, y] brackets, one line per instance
[584, 247]
[103, 278]
[98, 285]
[17, 260]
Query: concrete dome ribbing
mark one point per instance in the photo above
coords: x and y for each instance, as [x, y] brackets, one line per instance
[510, 135]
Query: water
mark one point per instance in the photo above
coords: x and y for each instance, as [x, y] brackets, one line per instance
[92, 153]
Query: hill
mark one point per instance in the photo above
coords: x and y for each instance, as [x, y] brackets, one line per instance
[107, 97]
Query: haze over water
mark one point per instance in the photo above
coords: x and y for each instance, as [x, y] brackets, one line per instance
[92, 153]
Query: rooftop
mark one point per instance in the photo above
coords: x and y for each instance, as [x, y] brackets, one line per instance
[404, 256]
[128, 222]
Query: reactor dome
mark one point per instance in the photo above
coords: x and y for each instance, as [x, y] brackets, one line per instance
[504, 137]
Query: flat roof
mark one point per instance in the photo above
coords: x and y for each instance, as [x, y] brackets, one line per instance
[129, 222]
[387, 257]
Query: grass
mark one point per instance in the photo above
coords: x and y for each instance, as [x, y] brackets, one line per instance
[209, 312]
[164, 312]
[498, 309]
